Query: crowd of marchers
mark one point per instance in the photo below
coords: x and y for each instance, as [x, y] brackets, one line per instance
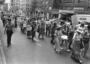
[64, 36]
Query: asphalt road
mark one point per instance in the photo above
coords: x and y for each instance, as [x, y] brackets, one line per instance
[24, 51]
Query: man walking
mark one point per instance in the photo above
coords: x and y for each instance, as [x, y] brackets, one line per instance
[9, 31]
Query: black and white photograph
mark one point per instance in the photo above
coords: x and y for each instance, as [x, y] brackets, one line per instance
[44, 31]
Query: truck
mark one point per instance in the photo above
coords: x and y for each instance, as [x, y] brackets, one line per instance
[80, 18]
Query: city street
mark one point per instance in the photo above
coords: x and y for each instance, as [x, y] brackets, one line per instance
[24, 51]
[66, 21]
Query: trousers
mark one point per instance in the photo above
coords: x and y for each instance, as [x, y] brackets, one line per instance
[9, 35]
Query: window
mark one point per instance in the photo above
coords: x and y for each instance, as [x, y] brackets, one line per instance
[67, 1]
[80, 1]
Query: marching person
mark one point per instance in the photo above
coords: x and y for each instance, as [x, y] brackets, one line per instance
[24, 27]
[53, 32]
[86, 37]
[29, 28]
[33, 30]
[16, 22]
[9, 31]
[42, 30]
[48, 28]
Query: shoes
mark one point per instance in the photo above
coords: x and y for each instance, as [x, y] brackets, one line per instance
[9, 45]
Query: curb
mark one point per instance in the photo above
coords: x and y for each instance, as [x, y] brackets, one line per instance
[3, 59]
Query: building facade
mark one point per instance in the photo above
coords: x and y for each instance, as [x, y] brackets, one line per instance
[17, 5]
[72, 5]
[28, 7]
[15, 2]
[23, 4]
[64, 4]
